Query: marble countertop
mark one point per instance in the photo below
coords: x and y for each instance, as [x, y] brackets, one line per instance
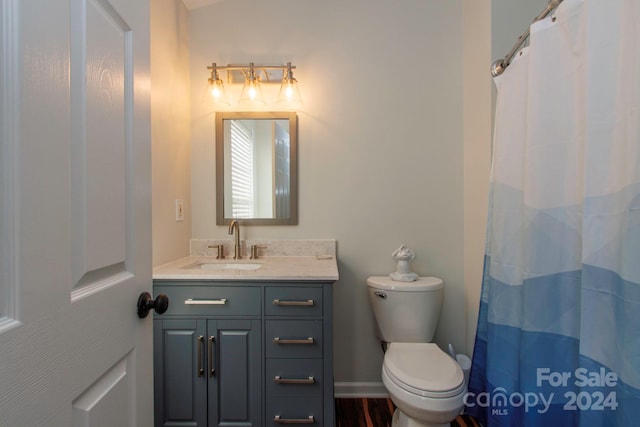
[299, 268]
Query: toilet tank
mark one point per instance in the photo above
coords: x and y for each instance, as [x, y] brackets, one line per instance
[406, 311]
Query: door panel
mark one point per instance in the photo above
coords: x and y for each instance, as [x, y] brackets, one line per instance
[235, 390]
[181, 373]
[76, 213]
[101, 154]
[114, 389]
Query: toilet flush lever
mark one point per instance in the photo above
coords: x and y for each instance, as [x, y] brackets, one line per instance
[381, 295]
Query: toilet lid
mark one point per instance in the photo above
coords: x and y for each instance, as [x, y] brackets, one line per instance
[424, 369]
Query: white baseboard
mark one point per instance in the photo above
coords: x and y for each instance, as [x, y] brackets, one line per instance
[359, 389]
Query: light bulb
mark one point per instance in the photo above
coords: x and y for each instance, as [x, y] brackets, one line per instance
[289, 92]
[216, 86]
[217, 92]
[251, 91]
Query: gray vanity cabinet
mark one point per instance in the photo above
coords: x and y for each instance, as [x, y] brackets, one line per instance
[208, 358]
[298, 354]
[248, 354]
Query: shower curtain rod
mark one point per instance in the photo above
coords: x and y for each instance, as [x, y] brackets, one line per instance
[500, 65]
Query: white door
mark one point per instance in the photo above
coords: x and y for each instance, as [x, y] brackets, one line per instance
[75, 232]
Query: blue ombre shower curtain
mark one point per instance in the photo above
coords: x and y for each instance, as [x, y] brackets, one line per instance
[558, 338]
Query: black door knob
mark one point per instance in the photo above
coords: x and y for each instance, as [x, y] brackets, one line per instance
[146, 303]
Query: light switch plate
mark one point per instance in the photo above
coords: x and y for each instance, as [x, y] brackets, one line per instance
[179, 210]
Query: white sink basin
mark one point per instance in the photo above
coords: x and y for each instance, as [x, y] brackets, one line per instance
[224, 266]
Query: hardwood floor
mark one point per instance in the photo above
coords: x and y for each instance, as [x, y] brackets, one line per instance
[369, 412]
[364, 412]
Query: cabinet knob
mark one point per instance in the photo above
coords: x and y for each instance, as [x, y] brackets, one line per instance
[146, 303]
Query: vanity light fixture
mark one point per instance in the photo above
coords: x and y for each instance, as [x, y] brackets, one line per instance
[217, 86]
[289, 92]
[253, 76]
[251, 91]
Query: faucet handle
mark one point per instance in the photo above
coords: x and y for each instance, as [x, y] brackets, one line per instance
[220, 249]
[254, 250]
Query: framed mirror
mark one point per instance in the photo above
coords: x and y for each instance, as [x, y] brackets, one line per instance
[257, 168]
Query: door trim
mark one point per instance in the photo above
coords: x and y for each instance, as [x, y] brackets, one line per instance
[9, 155]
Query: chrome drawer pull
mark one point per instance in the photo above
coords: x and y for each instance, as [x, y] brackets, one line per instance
[285, 341]
[191, 301]
[279, 420]
[307, 303]
[278, 379]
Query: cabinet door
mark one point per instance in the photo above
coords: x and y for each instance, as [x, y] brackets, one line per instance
[180, 377]
[235, 397]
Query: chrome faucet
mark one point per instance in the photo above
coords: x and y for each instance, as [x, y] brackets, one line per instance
[237, 252]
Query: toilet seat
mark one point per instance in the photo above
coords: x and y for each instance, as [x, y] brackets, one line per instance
[423, 369]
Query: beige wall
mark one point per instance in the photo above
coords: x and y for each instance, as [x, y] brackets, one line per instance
[477, 152]
[394, 138]
[171, 129]
[381, 143]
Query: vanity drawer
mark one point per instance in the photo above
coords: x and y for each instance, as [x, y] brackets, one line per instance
[286, 338]
[293, 301]
[306, 411]
[212, 300]
[294, 378]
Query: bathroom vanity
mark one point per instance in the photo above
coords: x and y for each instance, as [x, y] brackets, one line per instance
[245, 342]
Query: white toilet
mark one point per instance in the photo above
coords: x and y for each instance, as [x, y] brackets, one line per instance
[424, 382]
